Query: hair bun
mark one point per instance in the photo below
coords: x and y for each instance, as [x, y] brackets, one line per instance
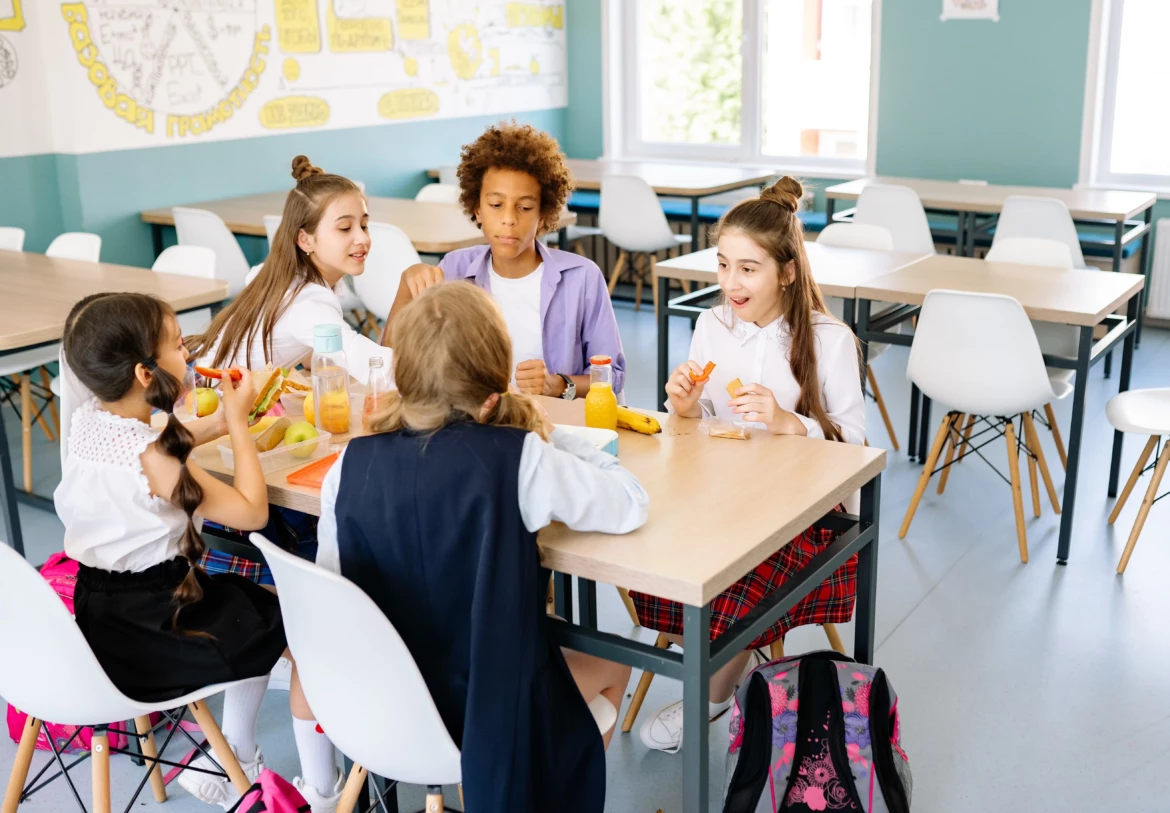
[303, 168]
[787, 192]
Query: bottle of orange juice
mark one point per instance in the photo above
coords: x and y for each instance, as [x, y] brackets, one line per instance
[601, 403]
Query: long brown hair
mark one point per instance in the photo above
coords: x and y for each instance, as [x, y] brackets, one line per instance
[451, 354]
[286, 271]
[771, 222]
[106, 337]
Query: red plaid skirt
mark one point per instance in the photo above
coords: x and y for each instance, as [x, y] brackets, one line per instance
[830, 603]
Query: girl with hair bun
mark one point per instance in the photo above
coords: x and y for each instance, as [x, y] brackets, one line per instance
[786, 366]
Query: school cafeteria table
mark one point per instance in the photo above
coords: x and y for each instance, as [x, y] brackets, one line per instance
[38, 292]
[1079, 297]
[433, 228]
[673, 556]
[838, 271]
[668, 180]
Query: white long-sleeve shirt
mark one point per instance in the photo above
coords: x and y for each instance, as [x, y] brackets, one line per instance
[566, 480]
[759, 355]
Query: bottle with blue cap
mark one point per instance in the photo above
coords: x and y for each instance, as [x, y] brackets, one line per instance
[330, 381]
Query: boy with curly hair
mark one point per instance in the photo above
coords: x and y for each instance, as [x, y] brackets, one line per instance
[513, 185]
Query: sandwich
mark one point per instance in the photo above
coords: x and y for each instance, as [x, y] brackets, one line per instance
[267, 395]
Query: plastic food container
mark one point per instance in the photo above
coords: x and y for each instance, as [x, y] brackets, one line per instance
[604, 439]
[282, 457]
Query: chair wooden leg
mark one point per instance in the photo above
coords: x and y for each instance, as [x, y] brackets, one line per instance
[434, 799]
[462, 806]
[46, 381]
[616, 273]
[26, 411]
[966, 438]
[686, 285]
[638, 282]
[149, 749]
[1050, 415]
[1033, 440]
[629, 602]
[1143, 512]
[1033, 479]
[834, 638]
[776, 649]
[550, 598]
[640, 692]
[654, 283]
[353, 789]
[1017, 493]
[219, 746]
[881, 405]
[952, 444]
[1151, 444]
[924, 480]
[24, 755]
[100, 755]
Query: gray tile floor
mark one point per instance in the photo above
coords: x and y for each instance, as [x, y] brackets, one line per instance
[1023, 687]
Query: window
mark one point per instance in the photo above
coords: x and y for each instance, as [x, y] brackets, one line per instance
[1131, 146]
[755, 81]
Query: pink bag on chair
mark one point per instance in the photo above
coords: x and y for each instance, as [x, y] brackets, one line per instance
[271, 794]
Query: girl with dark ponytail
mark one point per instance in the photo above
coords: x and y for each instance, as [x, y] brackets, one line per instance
[132, 502]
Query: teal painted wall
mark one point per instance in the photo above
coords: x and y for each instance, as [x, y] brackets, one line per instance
[30, 199]
[584, 129]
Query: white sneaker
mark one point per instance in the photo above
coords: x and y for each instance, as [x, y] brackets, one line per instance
[317, 802]
[218, 790]
[281, 676]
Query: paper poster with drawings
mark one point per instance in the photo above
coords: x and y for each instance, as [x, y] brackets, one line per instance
[134, 73]
[971, 10]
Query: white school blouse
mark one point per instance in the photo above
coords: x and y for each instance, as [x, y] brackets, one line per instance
[566, 480]
[759, 355]
[292, 336]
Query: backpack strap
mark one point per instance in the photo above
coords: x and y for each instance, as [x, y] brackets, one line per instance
[751, 771]
[883, 758]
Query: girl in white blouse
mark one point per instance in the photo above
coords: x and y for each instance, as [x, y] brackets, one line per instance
[132, 504]
[799, 375]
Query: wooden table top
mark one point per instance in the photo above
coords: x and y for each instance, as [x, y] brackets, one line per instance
[1074, 296]
[1085, 204]
[705, 530]
[38, 292]
[838, 271]
[433, 228]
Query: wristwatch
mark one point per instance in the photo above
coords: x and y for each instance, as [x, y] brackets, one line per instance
[570, 388]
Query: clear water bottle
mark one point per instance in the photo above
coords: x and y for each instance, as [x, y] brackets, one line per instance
[330, 381]
[379, 381]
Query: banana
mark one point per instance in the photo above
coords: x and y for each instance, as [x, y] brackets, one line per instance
[637, 422]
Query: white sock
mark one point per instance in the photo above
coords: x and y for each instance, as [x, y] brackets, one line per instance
[719, 708]
[241, 713]
[318, 760]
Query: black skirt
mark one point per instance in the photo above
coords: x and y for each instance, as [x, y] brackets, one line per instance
[127, 620]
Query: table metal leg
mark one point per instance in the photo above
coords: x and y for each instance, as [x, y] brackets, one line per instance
[563, 601]
[1145, 270]
[156, 235]
[1118, 236]
[866, 612]
[696, 717]
[663, 335]
[11, 509]
[972, 232]
[1122, 386]
[924, 429]
[961, 235]
[587, 603]
[830, 208]
[694, 230]
[1075, 430]
[563, 238]
[912, 447]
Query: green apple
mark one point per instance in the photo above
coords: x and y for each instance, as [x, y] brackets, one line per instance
[298, 432]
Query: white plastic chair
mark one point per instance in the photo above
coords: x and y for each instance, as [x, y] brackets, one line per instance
[49, 672]
[899, 211]
[11, 238]
[199, 227]
[631, 218]
[438, 193]
[1025, 216]
[994, 375]
[1141, 412]
[271, 224]
[449, 174]
[391, 253]
[190, 261]
[76, 245]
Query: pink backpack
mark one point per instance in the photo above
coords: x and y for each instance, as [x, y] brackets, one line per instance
[271, 794]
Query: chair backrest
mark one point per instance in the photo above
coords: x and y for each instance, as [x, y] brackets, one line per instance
[391, 253]
[361, 185]
[76, 245]
[449, 174]
[438, 193]
[1031, 251]
[958, 359]
[199, 227]
[380, 715]
[631, 215]
[271, 224]
[11, 238]
[48, 669]
[190, 261]
[253, 272]
[898, 210]
[857, 235]
[1025, 216]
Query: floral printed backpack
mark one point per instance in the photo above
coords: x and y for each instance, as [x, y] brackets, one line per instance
[816, 732]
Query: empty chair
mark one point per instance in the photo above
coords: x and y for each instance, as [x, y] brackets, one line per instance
[190, 261]
[199, 227]
[271, 224]
[573, 236]
[1141, 412]
[995, 375]
[76, 245]
[631, 218]
[438, 193]
[899, 211]
[391, 253]
[1025, 216]
[49, 672]
[11, 238]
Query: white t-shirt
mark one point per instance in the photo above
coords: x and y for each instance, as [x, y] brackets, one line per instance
[519, 300]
